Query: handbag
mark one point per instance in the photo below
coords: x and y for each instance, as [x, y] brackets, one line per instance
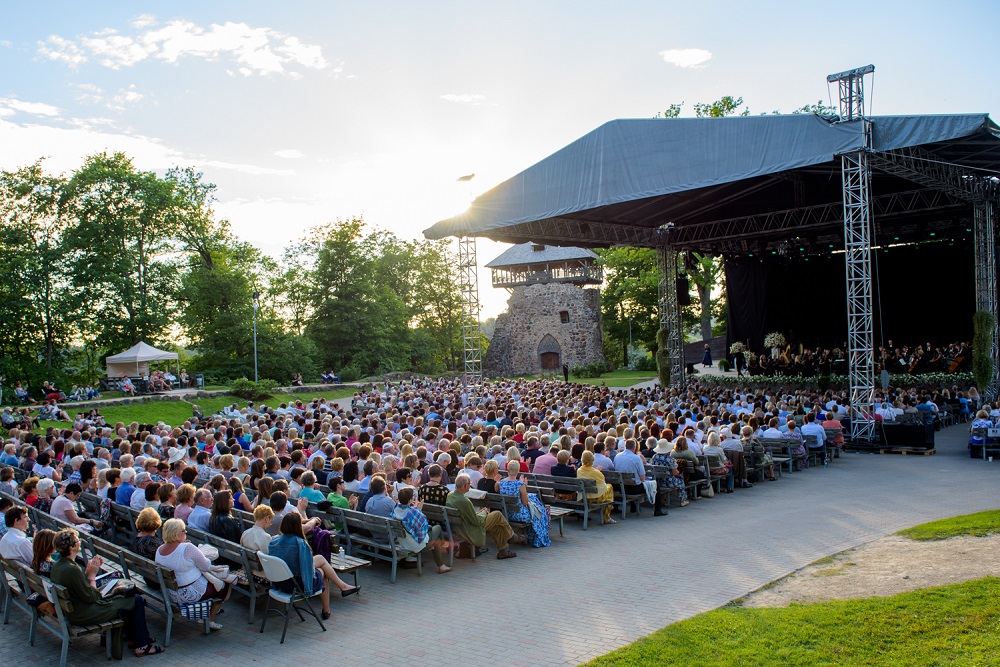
[708, 491]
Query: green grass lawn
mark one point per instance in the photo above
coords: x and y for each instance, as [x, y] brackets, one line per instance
[978, 524]
[175, 412]
[946, 625]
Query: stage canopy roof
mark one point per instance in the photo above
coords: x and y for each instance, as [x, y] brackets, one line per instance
[738, 183]
[135, 360]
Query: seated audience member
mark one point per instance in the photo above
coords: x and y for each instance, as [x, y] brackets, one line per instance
[15, 544]
[258, 536]
[605, 492]
[310, 572]
[530, 508]
[490, 483]
[434, 492]
[222, 522]
[419, 533]
[89, 608]
[202, 512]
[379, 504]
[336, 495]
[189, 564]
[147, 541]
[476, 525]
[43, 545]
[64, 509]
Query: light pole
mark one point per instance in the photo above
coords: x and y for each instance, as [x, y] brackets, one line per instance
[256, 295]
[627, 356]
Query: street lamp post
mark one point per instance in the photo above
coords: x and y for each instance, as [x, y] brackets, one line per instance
[256, 296]
[627, 356]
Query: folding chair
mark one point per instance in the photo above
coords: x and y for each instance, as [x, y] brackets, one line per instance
[276, 571]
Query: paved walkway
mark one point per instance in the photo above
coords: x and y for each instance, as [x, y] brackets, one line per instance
[597, 590]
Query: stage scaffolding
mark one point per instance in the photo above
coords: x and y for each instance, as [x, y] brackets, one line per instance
[472, 349]
[856, 174]
[670, 312]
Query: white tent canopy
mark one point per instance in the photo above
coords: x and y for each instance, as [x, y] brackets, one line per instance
[135, 360]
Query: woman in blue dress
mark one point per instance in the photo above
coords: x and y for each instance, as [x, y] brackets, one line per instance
[662, 457]
[530, 508]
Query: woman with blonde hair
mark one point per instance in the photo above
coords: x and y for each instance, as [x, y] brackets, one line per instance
[605, 492]
[514, 456]
[189, 565]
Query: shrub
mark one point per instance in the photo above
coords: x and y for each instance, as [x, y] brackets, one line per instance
[724, 365]
[350, 373]
[646, 363]
[253, 391]
[592, 370]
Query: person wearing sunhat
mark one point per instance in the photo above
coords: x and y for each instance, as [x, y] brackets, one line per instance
[662, 457]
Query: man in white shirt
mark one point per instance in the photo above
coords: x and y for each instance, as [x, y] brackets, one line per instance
[772, 429]
[812, 428]
[15, 544]
[138, 499]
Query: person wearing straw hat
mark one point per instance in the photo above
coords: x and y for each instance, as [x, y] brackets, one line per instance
[662, 457]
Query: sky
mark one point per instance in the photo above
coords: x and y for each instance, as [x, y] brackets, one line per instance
[308, 112]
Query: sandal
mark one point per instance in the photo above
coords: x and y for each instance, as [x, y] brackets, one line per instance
[149, 649]
[685, 503]
[505, 554]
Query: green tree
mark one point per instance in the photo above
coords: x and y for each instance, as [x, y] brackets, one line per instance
[629, 299]
[120, 243]
[35, 300]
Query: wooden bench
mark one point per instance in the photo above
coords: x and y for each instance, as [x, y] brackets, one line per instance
[377, 537]
[510, 505]
[832, 448]
[154, 582]
[578, 486]
[59, 625]
[691, 485]
[712, 478]
[663, 473]
[12, 595]
[618, 482]
[780, 449]
[449, 519]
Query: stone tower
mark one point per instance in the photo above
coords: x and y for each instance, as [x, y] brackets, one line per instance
[551, 318]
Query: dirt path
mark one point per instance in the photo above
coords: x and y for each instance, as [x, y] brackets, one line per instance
[884, 567]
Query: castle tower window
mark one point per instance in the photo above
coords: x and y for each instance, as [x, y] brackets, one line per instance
[564, 316]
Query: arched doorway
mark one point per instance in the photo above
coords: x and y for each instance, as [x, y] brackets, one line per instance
[549, 354]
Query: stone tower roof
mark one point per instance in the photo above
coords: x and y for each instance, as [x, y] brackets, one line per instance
[529, 253]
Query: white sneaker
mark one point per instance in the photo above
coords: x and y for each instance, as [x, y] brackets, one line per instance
[212, 625]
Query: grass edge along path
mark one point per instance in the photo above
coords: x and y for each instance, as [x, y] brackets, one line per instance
[957, 624]
[978, 524]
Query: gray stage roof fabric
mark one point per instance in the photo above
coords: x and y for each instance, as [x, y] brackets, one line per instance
[634, 172]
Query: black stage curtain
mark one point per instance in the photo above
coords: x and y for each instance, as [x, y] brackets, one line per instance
[922, 293]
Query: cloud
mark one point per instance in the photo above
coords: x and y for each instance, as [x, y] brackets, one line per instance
[290, 153]
[143, 21]
[124, 98]
[33, 108]
[464, 98]
[687, 57]
[260, 51]
[59, 49]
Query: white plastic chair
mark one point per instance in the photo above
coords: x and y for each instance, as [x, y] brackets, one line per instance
[277, 571]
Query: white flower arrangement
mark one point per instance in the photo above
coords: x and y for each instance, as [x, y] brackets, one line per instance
[774, 339]
[737, 347]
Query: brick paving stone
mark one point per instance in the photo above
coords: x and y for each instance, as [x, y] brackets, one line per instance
[727, 546]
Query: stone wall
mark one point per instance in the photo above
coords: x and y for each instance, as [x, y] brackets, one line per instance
[534, 312]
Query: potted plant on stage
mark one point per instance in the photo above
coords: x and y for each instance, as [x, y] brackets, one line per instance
[775, 341]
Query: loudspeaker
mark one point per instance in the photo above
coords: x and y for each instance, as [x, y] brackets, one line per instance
[683, 291]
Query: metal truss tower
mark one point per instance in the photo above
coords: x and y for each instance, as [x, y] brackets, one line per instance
[468, 281]
[855, 170]
[986, 284]
[670, 312]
